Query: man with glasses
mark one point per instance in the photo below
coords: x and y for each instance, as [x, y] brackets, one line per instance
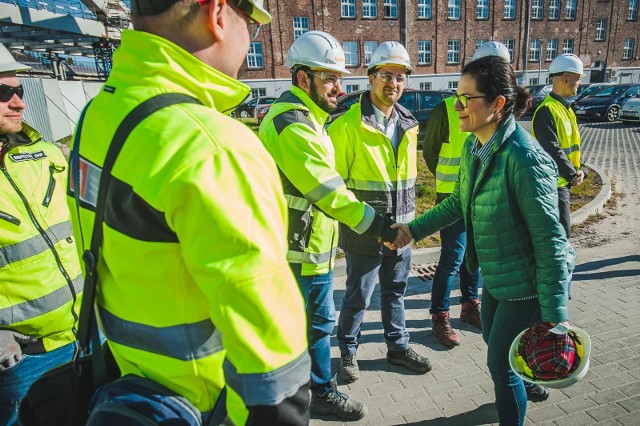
[376, 143]
[194, 289]
[293, 132]
[40, 273]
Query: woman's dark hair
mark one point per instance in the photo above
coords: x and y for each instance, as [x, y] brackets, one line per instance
[495, 77]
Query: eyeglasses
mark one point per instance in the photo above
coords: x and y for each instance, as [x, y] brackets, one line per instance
[463, 100]
[252, 24]
[388, 77]
[7, 92]
[327, 78]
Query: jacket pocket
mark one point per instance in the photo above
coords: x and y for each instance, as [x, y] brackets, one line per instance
[7, 217]
[52, 183]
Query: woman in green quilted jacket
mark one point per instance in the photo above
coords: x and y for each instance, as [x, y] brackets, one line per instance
[507, 196]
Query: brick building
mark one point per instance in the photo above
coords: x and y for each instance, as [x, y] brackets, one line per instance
[441, 35]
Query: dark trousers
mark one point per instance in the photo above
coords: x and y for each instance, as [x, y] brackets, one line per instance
[564, 195]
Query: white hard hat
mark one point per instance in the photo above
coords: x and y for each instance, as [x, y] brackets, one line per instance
[317, 49]
[492, 48]
[567, 62]
[8, 63]
[582, 348]
[390, 53]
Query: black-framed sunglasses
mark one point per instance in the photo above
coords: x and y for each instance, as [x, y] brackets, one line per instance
[244, 9]
[463, 100]
[7, 92]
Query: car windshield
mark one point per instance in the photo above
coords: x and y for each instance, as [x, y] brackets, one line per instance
[611, 91]
[592, 90]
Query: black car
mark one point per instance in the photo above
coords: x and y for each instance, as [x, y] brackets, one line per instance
[248, 109]
[587, 90]
[606, 103]
[537, 93]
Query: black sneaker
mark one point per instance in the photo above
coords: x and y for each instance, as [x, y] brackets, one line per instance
[410, 360]
[349, 371]
[336, 402]
[537, 393]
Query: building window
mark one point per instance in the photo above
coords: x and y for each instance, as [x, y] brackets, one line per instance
[254, 57]
[424, 9]
[509, 9]
[601, 30]
[633, 10]
[352, 87]
[369, 47]
[567, 45]
[369, 9]
[424, 52]
[391, 9]
[627, 52]
[300, 26]
[534, 50]
[537, 9]
[510, 44]
[482, 10]
[351, 53]
[552, 49]
[258, 92]
[348, 8]
[570, 10]
[452, 85]
[533, 81]
[425, 85]
[453, 52]
[554, 10]
[453, 9]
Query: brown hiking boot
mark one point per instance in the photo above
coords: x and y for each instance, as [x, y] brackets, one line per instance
[442, 329]
[471, 313]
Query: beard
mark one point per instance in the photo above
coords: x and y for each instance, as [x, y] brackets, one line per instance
[321, 100]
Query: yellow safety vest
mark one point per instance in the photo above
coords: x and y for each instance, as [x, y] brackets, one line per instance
[449, 156]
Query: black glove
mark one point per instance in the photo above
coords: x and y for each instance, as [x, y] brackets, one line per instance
[387, 233]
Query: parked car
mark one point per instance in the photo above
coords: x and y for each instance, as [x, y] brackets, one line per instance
[248, 109]
[630, 111]
[537, 94]
[588, 89]
[605, 104]
[261, 111]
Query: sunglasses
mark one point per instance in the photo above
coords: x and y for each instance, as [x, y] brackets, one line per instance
[7, 92]
[463, 100]
[388, 77]
[245, 11]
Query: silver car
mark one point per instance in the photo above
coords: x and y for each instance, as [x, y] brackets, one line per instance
[630, 111]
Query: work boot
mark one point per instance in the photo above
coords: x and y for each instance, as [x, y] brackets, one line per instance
[471, 313]
[349, 371]
[336, 402]
[537, 393]
[442, 329]
[409, 359]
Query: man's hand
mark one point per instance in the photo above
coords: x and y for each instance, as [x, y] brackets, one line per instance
[10, 351]
[578, 178]
[403, 238]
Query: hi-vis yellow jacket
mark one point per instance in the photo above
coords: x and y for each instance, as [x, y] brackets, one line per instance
[373, 171]
[194, 289]
[40, 277]
[450, 152]
[293, 132]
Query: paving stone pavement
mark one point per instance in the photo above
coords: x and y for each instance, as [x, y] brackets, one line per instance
[606, 300]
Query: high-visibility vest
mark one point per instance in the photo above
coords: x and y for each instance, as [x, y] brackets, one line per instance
[449, 156]
[566, 129]
[40, 276]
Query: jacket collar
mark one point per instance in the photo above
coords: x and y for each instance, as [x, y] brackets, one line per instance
[405, 118]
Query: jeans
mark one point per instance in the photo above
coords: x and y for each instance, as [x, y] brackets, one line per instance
[502, 321]
[392, 272]
[453, 239]
[317, 291]
[16, 381]
[564, 199]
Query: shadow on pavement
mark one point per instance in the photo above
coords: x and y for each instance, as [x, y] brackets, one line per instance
[586, 271]
[484, 414]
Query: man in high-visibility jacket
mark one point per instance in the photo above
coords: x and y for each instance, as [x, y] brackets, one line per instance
[194, 288]
[293, 132]
[40, 276]
[555, 126]
[376, 150]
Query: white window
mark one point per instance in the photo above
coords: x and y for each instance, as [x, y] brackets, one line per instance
[552, 49]
[369, 9]
[534, 50]
[627, 52]
[453, 52]
[254, 57]
[537, 9]
[482, 9]
[601, 29]
[369, 47]
[510, 44]
[258, 92]
[452, 85]
[453, 9]
[480, 42]
[425, 85]
[424, 9]
[300, 26]
[509, 9]
[391, 9]
[352, 87]
[554, 9]
[567, 45]
[570, 10]
[348, 8]
[633, 10]
[533, 81]
[424, 52]
[351, 53]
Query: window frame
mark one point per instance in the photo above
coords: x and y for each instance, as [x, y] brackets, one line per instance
[627, 51]
[427, 52]
[349, 6]
[366, 53]
[296, 30]
[391, 5]
[570, 10]
[512, 49]
[258, 57]
[427, 7]
[452, 51]
[347, 53]
[370, 9]
[601, 30]
[452, 7]
[552, 49]
[535, 46]
[537, 10]
[554, 10]
[511, 5]
[565, 45]
[632, 13]
[482, 10]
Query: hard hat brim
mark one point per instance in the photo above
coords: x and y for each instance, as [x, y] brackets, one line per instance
[13, 66]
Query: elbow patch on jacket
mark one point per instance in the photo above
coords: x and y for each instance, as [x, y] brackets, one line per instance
[292, 116]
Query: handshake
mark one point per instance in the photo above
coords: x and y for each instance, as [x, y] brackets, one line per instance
[403, 238]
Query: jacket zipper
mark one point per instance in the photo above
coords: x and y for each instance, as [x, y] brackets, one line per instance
[52, 184]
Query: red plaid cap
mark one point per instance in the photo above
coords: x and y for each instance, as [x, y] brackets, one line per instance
[549, 355]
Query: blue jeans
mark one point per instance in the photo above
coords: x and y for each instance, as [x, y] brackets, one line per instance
[317, 291]
[16, 381]
[502, 321]
[392, 272]
[453, 239]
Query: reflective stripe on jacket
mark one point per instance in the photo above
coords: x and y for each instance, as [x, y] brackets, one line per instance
[567, 131]
[366, 160]
[40, 276]
[449, 156]
[193, 274]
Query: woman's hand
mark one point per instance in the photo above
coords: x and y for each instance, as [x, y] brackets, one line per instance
[404, 237]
